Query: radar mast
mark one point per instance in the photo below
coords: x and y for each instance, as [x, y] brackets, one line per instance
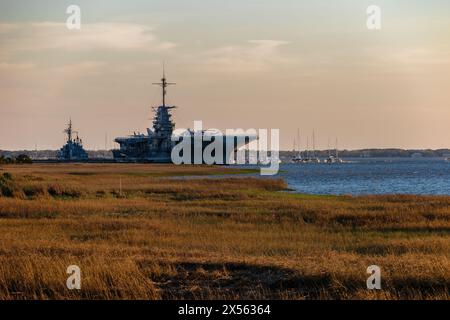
[69, 131]
[164, 84]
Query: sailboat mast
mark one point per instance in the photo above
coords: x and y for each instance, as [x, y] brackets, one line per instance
[329, 151]
[314, 144]
[337, 155]
[307, 147]
[69, 131]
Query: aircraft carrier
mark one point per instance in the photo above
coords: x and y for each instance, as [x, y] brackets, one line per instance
[156, 146]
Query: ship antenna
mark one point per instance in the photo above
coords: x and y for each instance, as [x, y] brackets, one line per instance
[164, 84]
[164, 69]
[69, 130]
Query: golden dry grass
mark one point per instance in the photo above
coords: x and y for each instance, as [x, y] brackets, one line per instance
[138, 234]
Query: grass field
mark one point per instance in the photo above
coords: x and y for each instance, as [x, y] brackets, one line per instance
[138, 234]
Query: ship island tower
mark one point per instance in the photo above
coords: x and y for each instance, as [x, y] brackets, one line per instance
[157, 145]
[163, 126]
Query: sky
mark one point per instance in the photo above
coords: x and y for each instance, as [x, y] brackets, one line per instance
[263, 64]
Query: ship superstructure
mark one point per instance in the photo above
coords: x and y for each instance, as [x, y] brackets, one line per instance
[73, 149]
[156, 145]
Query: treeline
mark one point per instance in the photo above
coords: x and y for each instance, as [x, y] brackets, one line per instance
[378, 153]
[20, 159]
[364, 153]
[51, 154]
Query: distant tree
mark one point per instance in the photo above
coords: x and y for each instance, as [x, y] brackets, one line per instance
[23, 158]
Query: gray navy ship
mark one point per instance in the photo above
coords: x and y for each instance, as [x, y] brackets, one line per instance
[156, 146]
[73, 149]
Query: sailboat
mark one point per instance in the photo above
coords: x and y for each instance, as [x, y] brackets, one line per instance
[298, 157]
[313, 158]
[333, 159]
[309, 155]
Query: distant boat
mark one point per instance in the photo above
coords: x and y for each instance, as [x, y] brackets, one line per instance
[73, 149]
[309, 155]
[313, 158]
[333, 159]
[297, 157]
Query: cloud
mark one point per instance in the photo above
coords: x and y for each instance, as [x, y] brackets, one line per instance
[46, 36]
[8, 67]
[422, 56]
[254, 56]
[7, 27]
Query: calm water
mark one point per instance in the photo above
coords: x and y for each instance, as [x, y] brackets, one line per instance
[371, 176]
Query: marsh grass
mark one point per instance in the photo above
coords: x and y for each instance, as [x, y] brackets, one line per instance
[230, 238]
